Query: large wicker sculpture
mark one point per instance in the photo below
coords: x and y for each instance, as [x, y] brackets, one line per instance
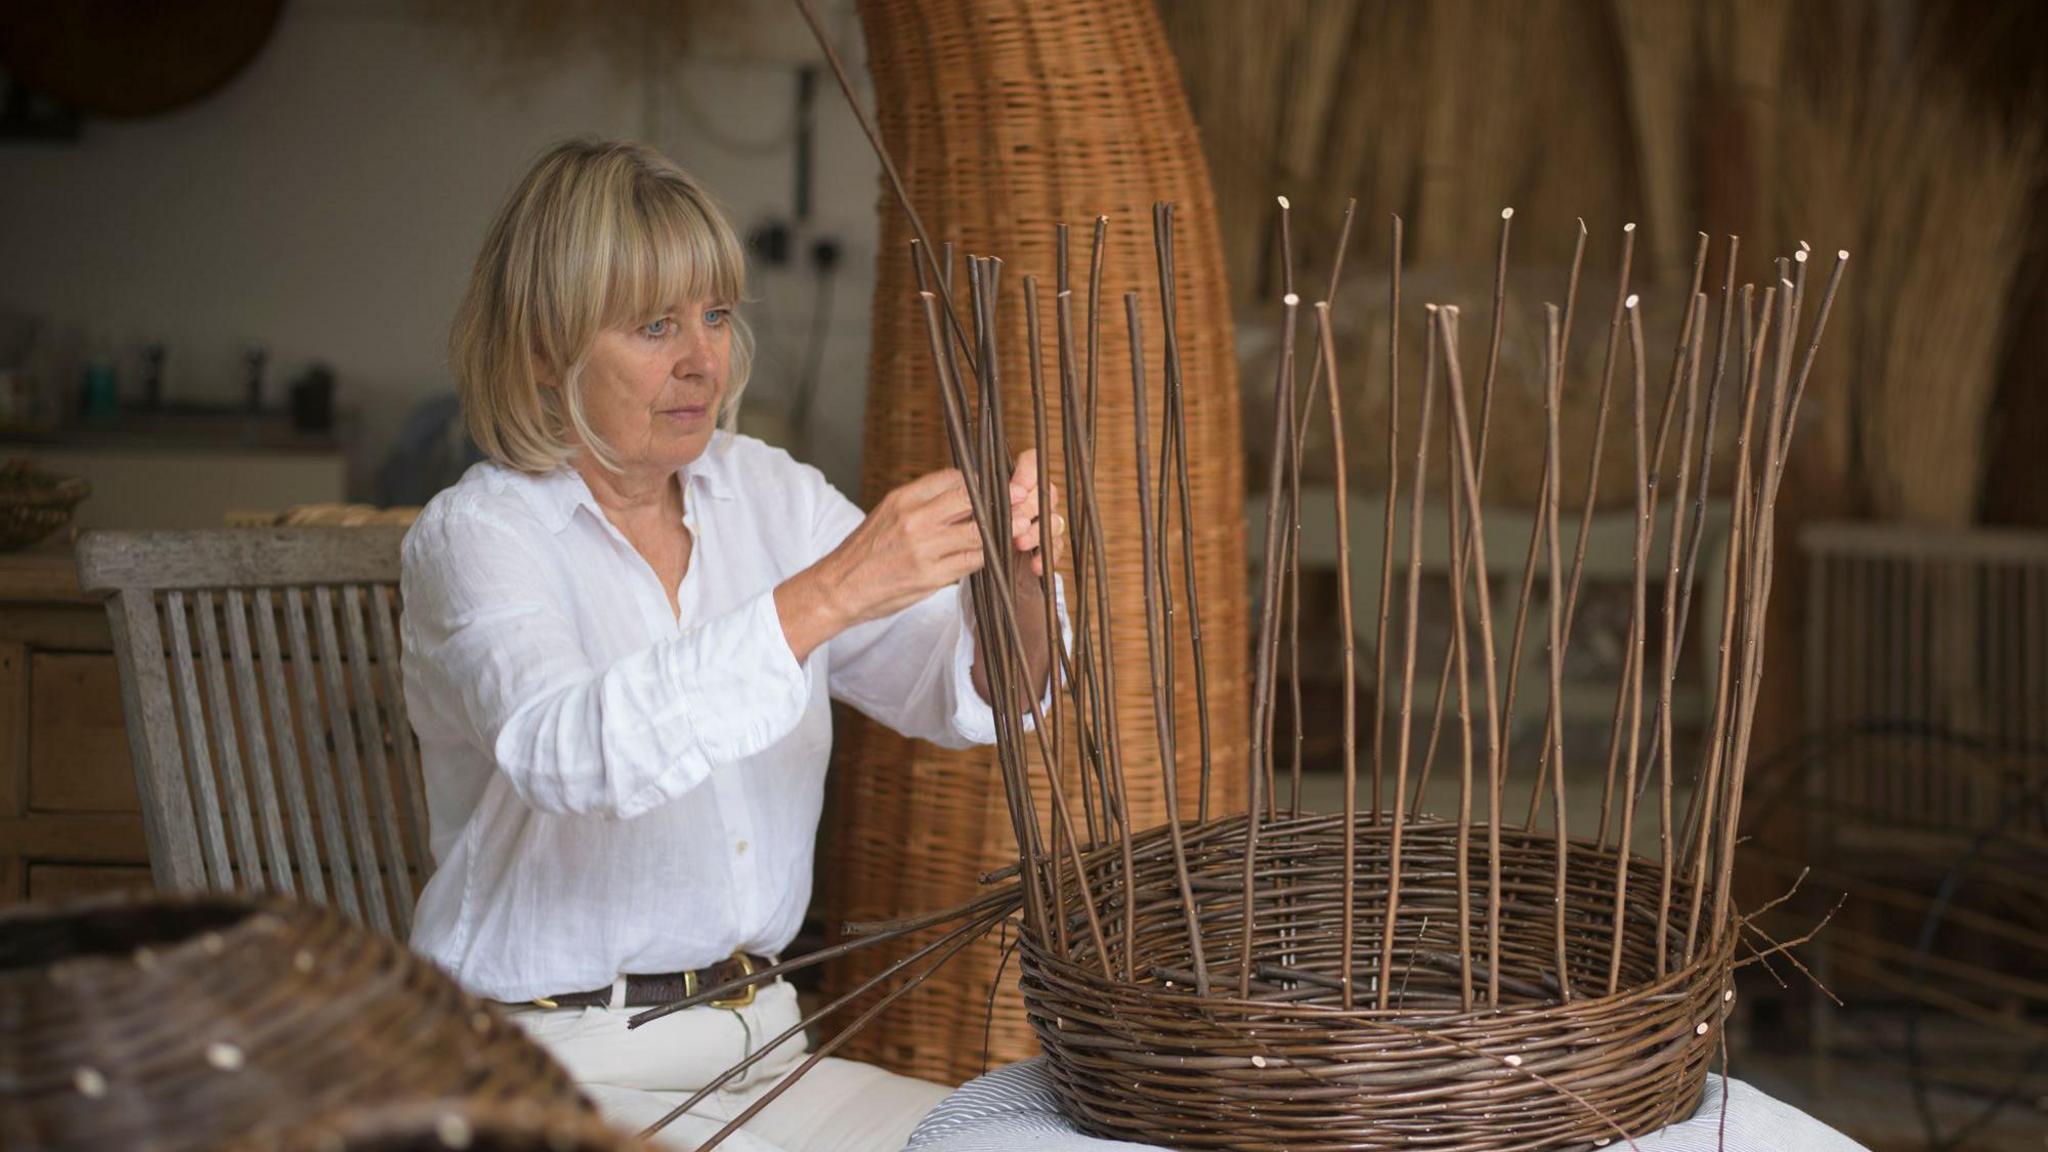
[1006, 116]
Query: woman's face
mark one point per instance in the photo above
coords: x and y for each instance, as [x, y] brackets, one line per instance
[652, 391]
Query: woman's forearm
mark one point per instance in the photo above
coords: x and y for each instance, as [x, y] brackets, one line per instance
[810, 613]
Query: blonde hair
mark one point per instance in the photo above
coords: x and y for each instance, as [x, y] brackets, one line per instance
[597, 235]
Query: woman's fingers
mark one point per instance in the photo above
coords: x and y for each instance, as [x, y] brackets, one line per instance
[932, 486]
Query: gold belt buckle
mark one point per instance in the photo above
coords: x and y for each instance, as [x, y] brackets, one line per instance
[746, 996]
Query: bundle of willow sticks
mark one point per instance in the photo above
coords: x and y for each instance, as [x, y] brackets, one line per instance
[1375, 977]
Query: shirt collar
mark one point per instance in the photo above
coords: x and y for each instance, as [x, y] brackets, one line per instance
[561, 492]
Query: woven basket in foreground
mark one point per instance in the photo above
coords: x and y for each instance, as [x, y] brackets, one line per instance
[1145, 1059]
[449, 1126]
[186, 1022]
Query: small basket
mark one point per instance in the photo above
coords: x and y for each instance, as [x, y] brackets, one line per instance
[35, 503]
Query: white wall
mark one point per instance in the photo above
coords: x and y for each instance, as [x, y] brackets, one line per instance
[328, 202]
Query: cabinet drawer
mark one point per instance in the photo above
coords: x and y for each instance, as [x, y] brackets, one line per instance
[78, 758]
[50, 882]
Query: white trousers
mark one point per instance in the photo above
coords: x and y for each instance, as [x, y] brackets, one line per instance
[636, 1076]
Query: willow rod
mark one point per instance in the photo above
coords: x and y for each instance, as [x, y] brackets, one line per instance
[1326, 343]
[1632, 675]
[1268, 619]
[1290, 541]
[1760, 590]
[1470, 465]
[1666, 684]
[1056, 770]
[962, 433]
[1158, 634]
[1553, 357]
[1408, 657]
[948, 947]
[1601, 407]
[1173, 423]
[874, 135]
[1082, 455]
[1461, 564]
[1706, 457]
[1555, 738]
[1379, 676]
[1740, 592]
[1085, 685]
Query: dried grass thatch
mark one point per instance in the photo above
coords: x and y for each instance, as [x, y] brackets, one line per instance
[1937, 195]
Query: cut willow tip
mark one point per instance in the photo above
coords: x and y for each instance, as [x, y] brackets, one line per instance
[1632, 301]
[1507, 213]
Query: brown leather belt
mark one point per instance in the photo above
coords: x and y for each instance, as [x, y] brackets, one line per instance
[667, 987]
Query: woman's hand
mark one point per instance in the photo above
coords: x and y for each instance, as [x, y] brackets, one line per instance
[919, 539]
[1025, 532]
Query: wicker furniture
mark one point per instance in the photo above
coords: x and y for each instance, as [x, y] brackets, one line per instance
[1006, 116]
[259, 674]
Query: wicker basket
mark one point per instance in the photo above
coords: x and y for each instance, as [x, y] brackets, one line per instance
[186, 1022]
[34, 503]
[1006, 117]
[448, 1126]
[1147, 1060]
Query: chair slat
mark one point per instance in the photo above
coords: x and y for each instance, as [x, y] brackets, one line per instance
[227, 747]
[240, 557]
[174, 858]
[411, 784]
[346, 762]
[291, 777]
[261, 778]
[198, 764]
[369, 717]
[341, 871]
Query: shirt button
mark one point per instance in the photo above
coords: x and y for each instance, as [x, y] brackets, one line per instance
[740, 849]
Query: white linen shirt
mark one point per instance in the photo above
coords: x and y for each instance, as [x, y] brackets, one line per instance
[615, 790]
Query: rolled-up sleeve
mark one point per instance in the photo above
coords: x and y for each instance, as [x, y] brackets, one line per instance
[572, 737]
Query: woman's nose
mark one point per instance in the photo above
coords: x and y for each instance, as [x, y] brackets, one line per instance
[694, 354]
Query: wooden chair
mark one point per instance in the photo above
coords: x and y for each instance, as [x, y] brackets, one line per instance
[259, 678]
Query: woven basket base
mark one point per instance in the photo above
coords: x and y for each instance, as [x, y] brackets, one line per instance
[1145, 1058]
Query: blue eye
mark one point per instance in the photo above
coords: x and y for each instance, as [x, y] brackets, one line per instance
[716, 317]
[657, 328]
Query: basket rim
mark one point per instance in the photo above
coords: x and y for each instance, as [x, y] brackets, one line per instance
[23, 484]
[1707, 963]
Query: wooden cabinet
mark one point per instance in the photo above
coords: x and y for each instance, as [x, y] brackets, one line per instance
[69, 824]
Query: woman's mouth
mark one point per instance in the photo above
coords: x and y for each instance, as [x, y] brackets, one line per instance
[688, 414]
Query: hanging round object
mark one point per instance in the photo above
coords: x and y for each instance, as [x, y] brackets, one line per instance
[131, 58]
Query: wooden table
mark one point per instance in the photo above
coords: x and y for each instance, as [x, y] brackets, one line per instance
[69, 823]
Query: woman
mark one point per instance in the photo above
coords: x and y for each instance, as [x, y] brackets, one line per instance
[621, 633]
